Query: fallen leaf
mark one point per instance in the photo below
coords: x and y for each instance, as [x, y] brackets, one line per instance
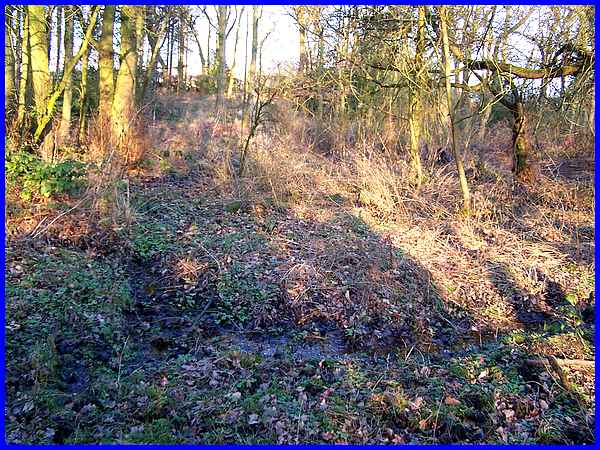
[451, 401]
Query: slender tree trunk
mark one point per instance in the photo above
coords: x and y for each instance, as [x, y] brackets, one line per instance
[171, 49]
[156, 43]
[9, 66]
[59, 10]
[25, 78]
[256, 13]
[181, 48]
[222, 25]
[483, 119]
[302, 24]
[65, 123]
[123, 107]
[200, 52]
[18, 36]
[208, 50]
[464, 187]
[235, 44]
[83, 97]
[38, 39]
[415, 112]
[140, 26]
[48, 22]
[106, 82]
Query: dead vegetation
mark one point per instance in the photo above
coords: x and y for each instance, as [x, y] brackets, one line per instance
[322, 255]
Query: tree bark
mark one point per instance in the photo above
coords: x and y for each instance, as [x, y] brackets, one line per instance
[181, 49]
[233, 63]
[65, 122]
[25, 78]
[222, 25]
[38, 38]
[156, 43]
[83, 97]
[140, 27]
[59, 10]
[105, 64]
[123, 107]
[9, 66]
[415, 112]
[44, 119]
[256, 13]
[301, 17]
[464, 187]
[521, 145]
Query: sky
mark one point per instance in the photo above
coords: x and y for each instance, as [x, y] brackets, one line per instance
[280, 47]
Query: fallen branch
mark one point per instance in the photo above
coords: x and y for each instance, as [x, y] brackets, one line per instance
[576, 363]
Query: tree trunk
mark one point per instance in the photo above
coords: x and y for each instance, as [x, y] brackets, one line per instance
[200, 52]
[222, 25]
[59, 10]
[256, 13]
[464, 187]
[303, 60]
[170, 48]
[140, 26]
[415, 112]
[83, 100]
[232, 69]
[181, 48]
[38, 38]
[208, 51]
[44, 118]
[65, 122]
[48, 22]
[25, 78]
[123, 107]
[9, 66]
[105, 63]
[18, 36]
[521, 145]
[155, 43]
[483, 119]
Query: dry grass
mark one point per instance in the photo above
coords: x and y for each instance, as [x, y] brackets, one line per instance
[517, 240]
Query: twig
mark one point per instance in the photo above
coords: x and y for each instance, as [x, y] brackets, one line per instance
[35, 234]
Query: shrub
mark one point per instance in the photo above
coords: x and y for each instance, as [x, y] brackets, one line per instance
[37, 177]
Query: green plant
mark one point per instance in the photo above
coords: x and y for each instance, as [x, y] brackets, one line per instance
[37, 177]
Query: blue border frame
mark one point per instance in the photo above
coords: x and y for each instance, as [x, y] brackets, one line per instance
[319, 446]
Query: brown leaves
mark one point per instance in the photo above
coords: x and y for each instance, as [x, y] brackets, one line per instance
[451, 401]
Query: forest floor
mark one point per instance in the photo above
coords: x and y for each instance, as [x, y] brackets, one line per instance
[300, 317]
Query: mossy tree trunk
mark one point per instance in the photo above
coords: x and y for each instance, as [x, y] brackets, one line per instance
[45, 112]
[106, 82]
[83, 95]
[123, 105]
[521, 145]
[415, 110]
[38, 38]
